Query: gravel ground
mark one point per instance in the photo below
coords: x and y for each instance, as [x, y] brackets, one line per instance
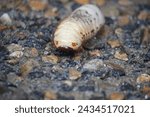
[115, 64]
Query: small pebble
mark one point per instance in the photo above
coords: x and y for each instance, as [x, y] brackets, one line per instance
[38, 5]
[34, 52]
[105, 31]
[3, 27]
[16, 54]
[114, 66]
[13, 78]
[123, 20]
[145, 40]
[93, 64]
[119, 32]
[68, 82]
[13, 61]
[143, 78]
[95, 53]
[99, 2]
[144, 15]
[74, 74]
[14, 47]
[50, 95]
[82, 1]
[125, 2]
[28, 66]
[22, 35]
[25, 8]
[114, 43]
[16, 51]
[127, 10]
[31, 52]
[110, 10]
[5, 19]
[116, 69]
[50, 58]
[145, 89]
[121, 55]
[51, 12]
[116, 96]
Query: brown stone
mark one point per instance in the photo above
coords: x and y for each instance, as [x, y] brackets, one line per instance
[50, 58]
[123, 20]
[99, 2]
[143, 78]
[24, 8]
[119, 32]
[146, 37]
[3, 27]
[105, 31]
[144, 15]
[125, 2]
[115, 66]
[145, 89]
[34, 52]
[28, 66]
[21, 35]
[51, 12]
[82, 1]
[74, 74]
[50, 95]
[13, 78]
[38, 5]
[114, 43]
[116, 96]
[31, 52]
[121, 55]
[95, 53]
[110, 10]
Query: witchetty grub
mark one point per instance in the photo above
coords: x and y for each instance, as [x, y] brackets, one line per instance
[81, 25]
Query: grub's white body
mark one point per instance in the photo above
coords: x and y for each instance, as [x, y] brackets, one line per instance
[81, 25]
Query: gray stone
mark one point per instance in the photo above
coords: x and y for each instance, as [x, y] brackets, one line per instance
[94, 64]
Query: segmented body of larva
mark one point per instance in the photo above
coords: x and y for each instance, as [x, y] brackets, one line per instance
[81, 25]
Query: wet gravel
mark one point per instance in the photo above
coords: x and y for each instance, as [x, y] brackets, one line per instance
[115, 64]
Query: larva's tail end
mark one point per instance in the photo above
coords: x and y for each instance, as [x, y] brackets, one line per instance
[65, 46]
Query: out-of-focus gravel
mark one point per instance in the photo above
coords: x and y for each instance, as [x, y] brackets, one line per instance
[115, 64]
